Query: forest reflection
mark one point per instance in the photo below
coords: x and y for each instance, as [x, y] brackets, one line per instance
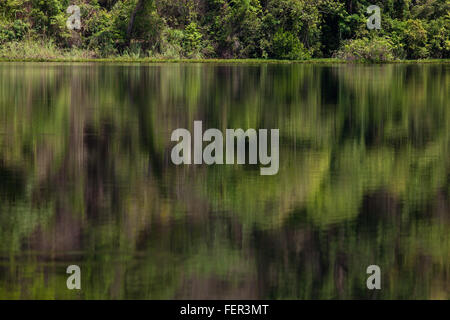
[86, 179]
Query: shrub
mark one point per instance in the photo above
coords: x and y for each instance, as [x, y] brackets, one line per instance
[287, 46]
[103, 43]
[192, 40]
[378, 49]
[169, 45]
[415, 40]
[15, 31]
[48, 17]
[439, 37]
[98, 30]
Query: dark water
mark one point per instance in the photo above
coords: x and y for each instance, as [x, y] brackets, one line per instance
[86, 179]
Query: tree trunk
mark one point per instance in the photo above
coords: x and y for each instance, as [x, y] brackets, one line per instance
[139, 6]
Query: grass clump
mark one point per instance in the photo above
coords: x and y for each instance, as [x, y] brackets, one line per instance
[40, 50]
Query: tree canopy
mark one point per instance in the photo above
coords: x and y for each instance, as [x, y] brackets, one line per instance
[278, 29]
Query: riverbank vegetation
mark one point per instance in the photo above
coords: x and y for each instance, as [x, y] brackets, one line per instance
[225, 29]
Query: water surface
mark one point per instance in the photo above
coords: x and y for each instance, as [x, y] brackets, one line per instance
[86, 179]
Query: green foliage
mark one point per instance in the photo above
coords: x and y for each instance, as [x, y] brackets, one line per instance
[439, 37]
[415, 39]
[15, 31]
[99, 31]
[170, 44]
[48, 17]
[281, 29]
[371, 50]
[299, 21]
[192, 40]
[11, 9]
[287, 46]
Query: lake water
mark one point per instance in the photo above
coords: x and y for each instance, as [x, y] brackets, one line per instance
[86, 178]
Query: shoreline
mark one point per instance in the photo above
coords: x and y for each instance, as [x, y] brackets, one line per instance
[212, 61]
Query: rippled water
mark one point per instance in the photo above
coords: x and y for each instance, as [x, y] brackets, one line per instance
[86, 179]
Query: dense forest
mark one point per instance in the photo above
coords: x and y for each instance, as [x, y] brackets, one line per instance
[267, 29]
